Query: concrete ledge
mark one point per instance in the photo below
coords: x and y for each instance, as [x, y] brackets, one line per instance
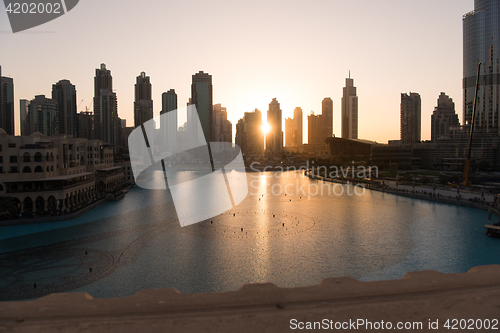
[418, 297]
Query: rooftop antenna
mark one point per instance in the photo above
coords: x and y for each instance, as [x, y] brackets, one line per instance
[349, 73]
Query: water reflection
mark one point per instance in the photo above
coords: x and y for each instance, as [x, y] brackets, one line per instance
[288, 239]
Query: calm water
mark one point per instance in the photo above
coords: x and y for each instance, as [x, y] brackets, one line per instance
[299, 239]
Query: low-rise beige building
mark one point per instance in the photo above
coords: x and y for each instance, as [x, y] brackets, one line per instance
[46, 173]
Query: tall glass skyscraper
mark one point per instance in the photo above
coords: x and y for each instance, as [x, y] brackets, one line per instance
[481, 42]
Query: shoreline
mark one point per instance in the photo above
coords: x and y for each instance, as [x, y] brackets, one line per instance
[440, 199]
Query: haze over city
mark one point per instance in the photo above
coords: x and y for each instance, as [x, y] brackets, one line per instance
[298, 54]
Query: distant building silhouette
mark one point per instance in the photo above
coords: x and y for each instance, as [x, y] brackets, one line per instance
[143, 104]
[202, 97]
[481, 43]
[289, 133]
[102, 80]
[249, 135]
[221, 127]
[297, 127]
[315, 124]
[327, 112]
[349, 110]
[274, 138]
[410, 118]
[7, 104]
[64, 93]
[443, 118]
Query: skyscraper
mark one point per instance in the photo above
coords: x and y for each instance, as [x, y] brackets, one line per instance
[222, 129]
[86, 125]
[249, 135]
[349, 110]
[202, 96]
[169, 128]
[143, 104]
[297, 127]
[109, 118]
[314, 129]
[7, 104]
[410, 118]
[289, 133]
[42, 116]
[102, 80]
[64, 93]
[274, 138]
[481, 43]
[443, 118]
[327, 112]
[23, 114]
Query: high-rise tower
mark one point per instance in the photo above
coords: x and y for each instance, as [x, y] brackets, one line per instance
[143, 105]
[349, 110]
[410, 118]
[327, 112]
[102, 80]
[274, 138]
[481, 43]
[443, 118]
[168, 125]
[64, 93]
[6, 104]
[202, 96]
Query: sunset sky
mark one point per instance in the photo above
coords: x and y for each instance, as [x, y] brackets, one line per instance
[296, 51]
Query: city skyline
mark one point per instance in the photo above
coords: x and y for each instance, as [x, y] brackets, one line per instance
[301, 78]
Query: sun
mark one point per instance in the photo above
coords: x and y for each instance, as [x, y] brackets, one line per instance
[266, 128]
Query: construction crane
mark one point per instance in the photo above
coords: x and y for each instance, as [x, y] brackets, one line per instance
[467, 160]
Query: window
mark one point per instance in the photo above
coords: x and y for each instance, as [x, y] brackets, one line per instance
[13, 169]
[12, 145]
[13, 159]
[1, 159]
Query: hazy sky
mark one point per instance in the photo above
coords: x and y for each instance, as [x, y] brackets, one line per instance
[296, 51]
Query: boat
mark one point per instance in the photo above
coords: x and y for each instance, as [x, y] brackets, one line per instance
[493, 229]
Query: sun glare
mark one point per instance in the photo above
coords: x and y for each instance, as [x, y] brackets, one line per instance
[266, 128]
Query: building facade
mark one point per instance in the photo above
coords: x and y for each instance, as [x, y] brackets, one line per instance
[349, 110]
[202, 97]
[410, 118]
[481, 43]
[44, 173]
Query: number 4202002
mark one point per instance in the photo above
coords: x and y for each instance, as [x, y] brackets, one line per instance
[33, 8]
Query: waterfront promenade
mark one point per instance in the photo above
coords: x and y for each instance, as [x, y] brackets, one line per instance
[463, 197]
